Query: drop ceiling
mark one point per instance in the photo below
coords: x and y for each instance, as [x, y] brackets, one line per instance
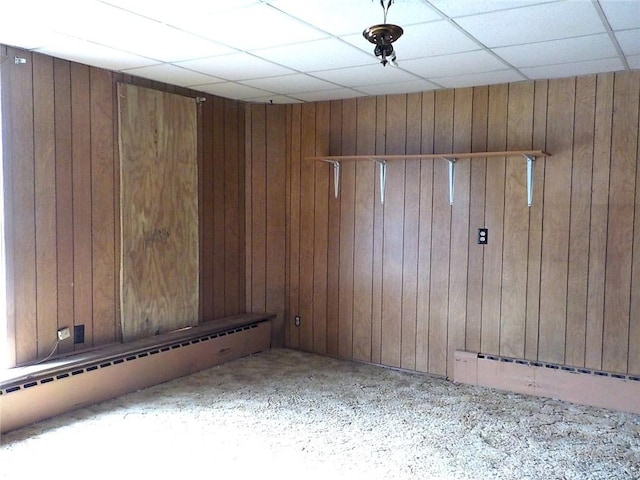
[289, 51]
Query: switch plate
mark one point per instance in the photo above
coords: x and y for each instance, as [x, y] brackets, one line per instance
[483, 236]
[297, 320]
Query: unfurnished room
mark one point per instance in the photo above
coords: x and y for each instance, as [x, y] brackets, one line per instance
[332, 239]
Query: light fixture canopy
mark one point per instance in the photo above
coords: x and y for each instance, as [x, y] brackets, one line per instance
[382, 36]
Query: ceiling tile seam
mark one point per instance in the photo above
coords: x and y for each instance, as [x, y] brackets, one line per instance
[489, 12]
[612, 35]
[482, 45]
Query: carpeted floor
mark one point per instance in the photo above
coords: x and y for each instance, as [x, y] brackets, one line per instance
[290, 415]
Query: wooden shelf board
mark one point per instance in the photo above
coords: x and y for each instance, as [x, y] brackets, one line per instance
[510, 153]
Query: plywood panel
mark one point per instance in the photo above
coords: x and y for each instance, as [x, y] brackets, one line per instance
[258, 192]
[393, 233]
[516, 223]
[555, 235]
[159, 211]
[45, 202]
[363, 231]
[441, 235]
[207, 176]
[424, 243]
[620, 231]
[634, 323]
[580, 220]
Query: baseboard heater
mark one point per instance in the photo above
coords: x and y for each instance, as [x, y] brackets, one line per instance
[582, 386]
[39, 392]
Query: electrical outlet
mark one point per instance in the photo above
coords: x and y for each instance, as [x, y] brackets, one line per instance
[297, 320]
[483, 236]
[64, 333]
[78, 334]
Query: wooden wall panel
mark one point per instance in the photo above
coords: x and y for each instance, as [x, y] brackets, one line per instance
[406, 283]
[363, 231]
[347, 231]
[555, 234]
[393, 233]
[45, 202]
[61, 203]
[621, 218]
[440, 234]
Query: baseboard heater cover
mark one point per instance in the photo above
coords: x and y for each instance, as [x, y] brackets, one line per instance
[39, 397]
[582, 386]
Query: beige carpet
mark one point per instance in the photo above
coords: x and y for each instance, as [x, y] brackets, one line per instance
[290, 415]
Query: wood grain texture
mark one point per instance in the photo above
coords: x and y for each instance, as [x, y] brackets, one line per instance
[440, 235]
[365, 200]
[45, 202]
[159, 211]
[555, 235]
[581, 181]
[393, 237]
[516, 224]
[620, 230]
[67, 119]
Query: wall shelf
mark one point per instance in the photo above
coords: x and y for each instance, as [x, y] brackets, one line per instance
[529, 155]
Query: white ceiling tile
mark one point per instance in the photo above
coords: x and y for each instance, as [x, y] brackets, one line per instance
[170, 12]
[296, 83]
[90, 53]
[340, 17]
[231, 90]
[400, 87]
[473, 79]
[173, 75]
[558, 51]
[253, 27]
[455, 64]
[537, 23]
[634, 61]
[236, 66]
[573, 69]
[317, 55]
[622, 14]
[457, 8]
[337, 94]
[374, 74]
[629, 41]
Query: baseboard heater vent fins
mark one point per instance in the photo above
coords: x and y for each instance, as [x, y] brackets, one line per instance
[585, 386]
[564, 368]
[128, 358]
[43, 391]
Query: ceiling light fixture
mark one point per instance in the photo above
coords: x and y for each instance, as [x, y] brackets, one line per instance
[383, 35]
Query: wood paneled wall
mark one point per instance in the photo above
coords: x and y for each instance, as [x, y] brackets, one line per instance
[61, 191]
[405, 284]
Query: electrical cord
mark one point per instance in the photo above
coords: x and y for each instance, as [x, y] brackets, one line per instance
[51, 354]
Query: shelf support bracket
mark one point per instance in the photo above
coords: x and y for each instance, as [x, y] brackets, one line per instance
[383, 178]
[336, 176]
[530, 162]
[452, 177]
